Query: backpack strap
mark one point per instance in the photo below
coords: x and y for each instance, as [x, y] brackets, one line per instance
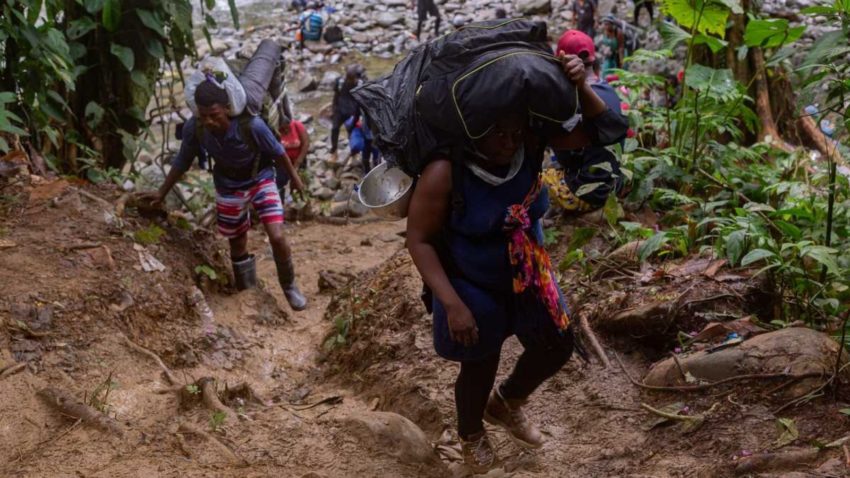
[199, 134]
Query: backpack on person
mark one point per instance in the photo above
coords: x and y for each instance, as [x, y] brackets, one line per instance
[262, 79]
[312, 24]
[447, 93]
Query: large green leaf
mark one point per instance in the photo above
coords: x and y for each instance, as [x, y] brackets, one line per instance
[93, 6]
[716, 83]
[124, 54]
[756, 255]
[154, 48]
[735, 246]
[234, 13]
[672, 35]
[652, 245]
[112, 15]
[80, 27]
[151, 20]
[704, 16]
[771, 33]
[714, 43]
[93, 114]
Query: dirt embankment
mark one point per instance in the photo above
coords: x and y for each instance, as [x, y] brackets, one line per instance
[124, 353]
[755, 410]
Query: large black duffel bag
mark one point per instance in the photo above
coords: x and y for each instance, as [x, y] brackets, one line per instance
[451, 91]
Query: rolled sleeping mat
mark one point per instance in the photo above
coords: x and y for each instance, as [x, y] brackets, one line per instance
[258, 75]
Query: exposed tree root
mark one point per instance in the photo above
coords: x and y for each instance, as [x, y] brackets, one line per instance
[169, 375]
[66, 404]
[594, 342]
[808, 126]
[706, 386]
[767, 461]
[190, 429]
[12, 369]
[211, 400]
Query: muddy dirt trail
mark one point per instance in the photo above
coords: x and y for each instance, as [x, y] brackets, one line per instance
[91, 303]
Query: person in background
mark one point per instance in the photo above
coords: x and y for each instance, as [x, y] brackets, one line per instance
[344, 106]
[361, 142]
[614, 44]
[424, 8]
[591, 164]
[584, 16]
[649, 5]
[245, 155]
[501, 14]
[311, 24]
[296, 142]
[298, 5]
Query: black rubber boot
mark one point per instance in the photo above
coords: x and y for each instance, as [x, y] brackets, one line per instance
[245, 273]
[286, 276]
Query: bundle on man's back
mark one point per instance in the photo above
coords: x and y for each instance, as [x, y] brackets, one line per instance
[452, 90]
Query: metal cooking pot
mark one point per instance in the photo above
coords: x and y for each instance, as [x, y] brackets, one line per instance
[386, 191]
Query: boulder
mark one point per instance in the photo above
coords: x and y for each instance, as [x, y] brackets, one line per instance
[794, 350]
[391, 434]
[534, 7]
[329, 80]
[307, 83]
[388, 19]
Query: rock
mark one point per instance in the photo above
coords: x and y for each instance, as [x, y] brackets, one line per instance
[791, 350]
[333, 280]
[391, 434]
[534, 7]
[388, 19]
[307, 83]
[329, 80]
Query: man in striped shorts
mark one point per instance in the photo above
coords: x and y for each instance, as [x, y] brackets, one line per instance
[245, 151]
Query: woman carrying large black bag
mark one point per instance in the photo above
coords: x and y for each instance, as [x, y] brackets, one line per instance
[483, 258]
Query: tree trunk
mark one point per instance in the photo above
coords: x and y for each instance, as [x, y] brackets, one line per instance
[763, 108]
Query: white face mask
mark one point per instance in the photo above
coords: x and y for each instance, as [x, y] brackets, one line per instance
[516, 164]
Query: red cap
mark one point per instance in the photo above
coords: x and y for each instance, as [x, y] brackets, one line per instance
[575, 42]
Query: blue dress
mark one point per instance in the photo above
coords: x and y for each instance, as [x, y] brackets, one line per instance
[475, 256]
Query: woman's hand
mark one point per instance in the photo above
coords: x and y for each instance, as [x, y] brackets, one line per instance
[462, 327]
[574, 68]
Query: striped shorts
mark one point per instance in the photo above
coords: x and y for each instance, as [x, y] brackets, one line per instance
[232, 207]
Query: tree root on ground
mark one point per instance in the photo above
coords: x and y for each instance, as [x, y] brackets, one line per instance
[767, 461]
[190, 429]
[66, 404]
[169, 375]
[12, 369]
[209, 396]
[594, 342]
[706, 386]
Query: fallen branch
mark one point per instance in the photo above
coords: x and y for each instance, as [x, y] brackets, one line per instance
[94, 198]
[66, 404]
[190, 429]
[169, 375]
[12, 370]
[594, 342]
[767, 461]
[211, 400]
[706, 386]
[83, 245]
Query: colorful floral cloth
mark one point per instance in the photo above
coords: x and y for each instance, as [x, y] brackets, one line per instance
[531, 263]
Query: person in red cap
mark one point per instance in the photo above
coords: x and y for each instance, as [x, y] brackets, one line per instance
[585, 166]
